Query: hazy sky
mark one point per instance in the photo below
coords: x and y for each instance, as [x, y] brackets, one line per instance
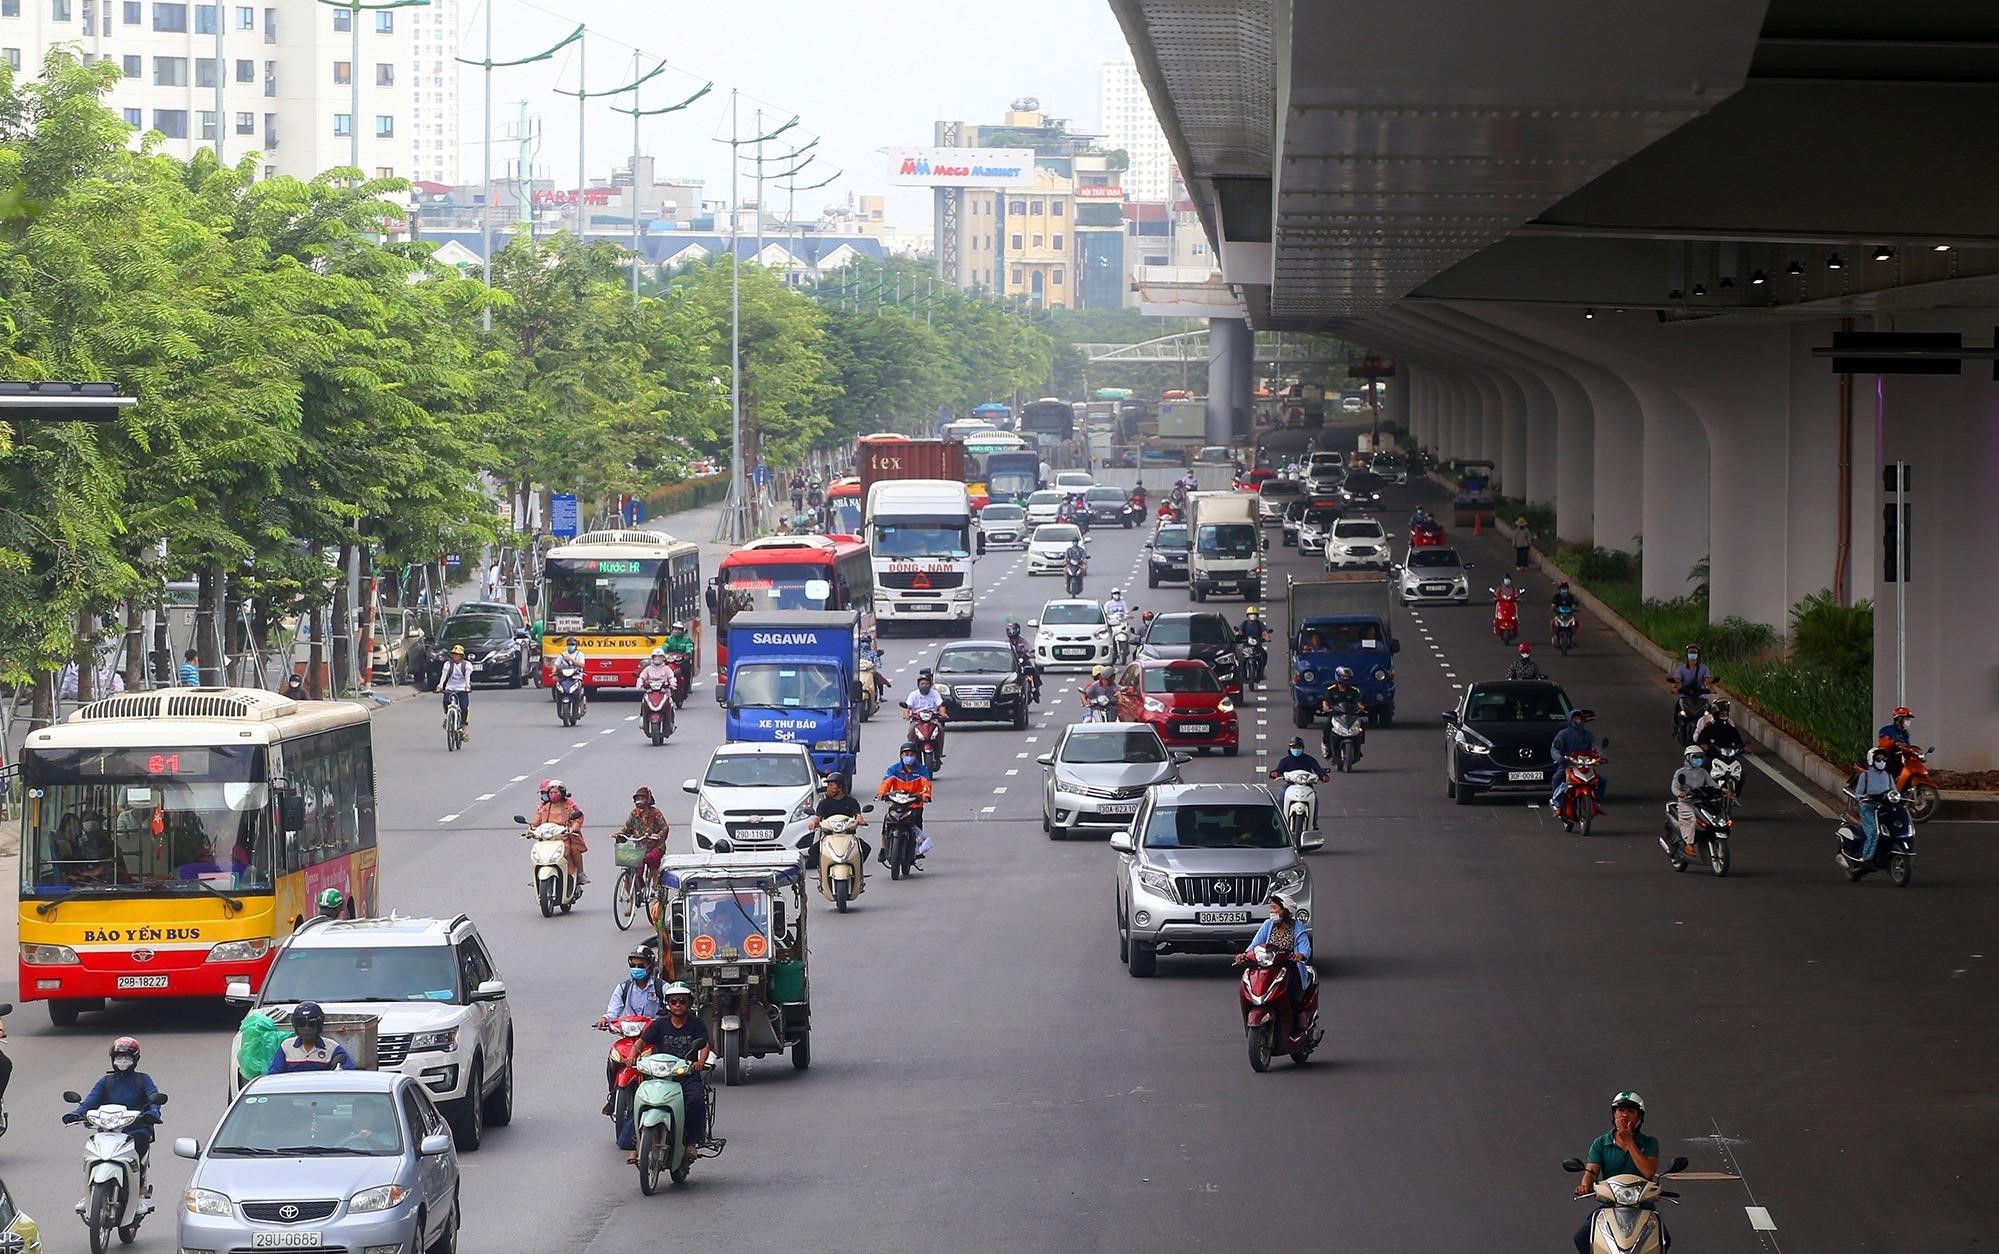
[861, 74]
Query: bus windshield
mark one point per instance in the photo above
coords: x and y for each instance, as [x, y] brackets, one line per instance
[148, 822]
[936, 540]
[787, 686]
[778, 586]
[607, 594]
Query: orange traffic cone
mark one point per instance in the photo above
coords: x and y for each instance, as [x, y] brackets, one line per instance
[1477, 523]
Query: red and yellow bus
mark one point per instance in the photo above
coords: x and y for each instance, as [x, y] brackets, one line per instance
[170, 839]
[791, 573]
[617, 592]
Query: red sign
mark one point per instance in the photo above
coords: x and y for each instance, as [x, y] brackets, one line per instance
[591, 196]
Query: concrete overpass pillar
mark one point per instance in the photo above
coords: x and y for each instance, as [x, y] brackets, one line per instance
[1396, 404]
[1617, 461]
[1674, 522]
[1230, 375]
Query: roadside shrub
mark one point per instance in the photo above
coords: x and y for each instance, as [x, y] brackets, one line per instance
[687, 494]
[1829, 710]
[1837, 637]
[1736, 639]
[1598, 565]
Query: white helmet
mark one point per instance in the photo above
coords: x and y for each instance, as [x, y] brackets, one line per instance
[1694, 753]
[677, 989]
[1628, 1098]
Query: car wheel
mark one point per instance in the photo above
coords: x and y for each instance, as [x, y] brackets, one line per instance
[1141, 959]
[447, 1241]
[519, 676]
[499, 1110]
[468, 1116]
[1464, 795]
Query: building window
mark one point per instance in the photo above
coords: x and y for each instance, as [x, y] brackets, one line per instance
[59, 9]
[343, 124]
[1035, 208]
[208, 124]
[1019, 275]
[1016, 243]
[169, 71]
[385, 126]
[270, 131]
[385, 171]
[270, 26]
[170, 17]
[246, 71]
[13, 56]
[343, 20]
[246, 17]
[135, 118]
[270, 171]
[133, 12]
[385, 74]
[1020, 206]
[10, 8]
[205, 18]
[171, 123]
[134, 66]
[246, 124]
[343, 72]
[385, 22]
[1037, 242]
[270, 78]
[1057, 207]
[1055, 276]
[204, 71]
[1056, 243]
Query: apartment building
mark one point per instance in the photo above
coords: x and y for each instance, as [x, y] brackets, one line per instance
[1128, 122]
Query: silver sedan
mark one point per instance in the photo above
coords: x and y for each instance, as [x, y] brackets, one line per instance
[1097, 773]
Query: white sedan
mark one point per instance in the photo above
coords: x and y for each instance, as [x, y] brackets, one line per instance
[1042, 506]
[1047, 550]
[755, 795]
[1071, 635]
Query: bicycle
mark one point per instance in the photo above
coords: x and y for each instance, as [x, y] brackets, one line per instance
[454, 727]
[635, 888]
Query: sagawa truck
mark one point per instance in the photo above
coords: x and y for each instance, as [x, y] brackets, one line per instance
[794, 677]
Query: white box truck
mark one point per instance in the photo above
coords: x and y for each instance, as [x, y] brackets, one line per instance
[1224, 545]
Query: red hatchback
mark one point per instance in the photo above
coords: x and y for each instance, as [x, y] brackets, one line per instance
[1182, 701]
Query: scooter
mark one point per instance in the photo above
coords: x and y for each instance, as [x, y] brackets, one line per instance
[666, 1145]
[554, 887]
[1579, 806]
[1100, 709]
[1299, 806]
[683, 671]
[1565, 629]
[1255, 658]
[1072, 575]
[927, 730]
[842, 876]
[1714, 820]
[1425, 535]
[569, 694]
[1914, 783]
[115, 1189]
[1505, 616]
[656, 710]
[873, 684]
[625, 1046]
[1268, 1020]
[1121, 639]
[1725, 768]
[1621, 1225]
[1687, 710]
[899, 837]
[1895, 848]
[1344, 733]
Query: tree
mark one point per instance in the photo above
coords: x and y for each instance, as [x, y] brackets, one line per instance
[787, 381]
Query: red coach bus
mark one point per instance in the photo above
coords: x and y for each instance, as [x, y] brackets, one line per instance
[790, 573]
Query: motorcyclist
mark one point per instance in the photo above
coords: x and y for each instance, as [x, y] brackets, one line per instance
[1079, 507]
[1692, 678]
[307, 1048]
[908, 774]
[1253, 627]
[1870, 784]
[1025, 653]
[1715, 730]
[1100, 685]
[1115, 608]
[1286, 933]
[1076, 555]
[455, 682]
[1524, 666]
[926, 697]
[1342, 691]
[797, 491]
[1575, 738]
[1625, 1150]
[681, 1033]
[838, 799]
[1687, 781]
[637, 994]
[1296, 759]
[1892, 737]
[656, 670]
[572, 657]
[125, 1085]
[333, 904]
[1506, 591]
[558, 807]
[295, 687]
[1564, 600]
[647, 826]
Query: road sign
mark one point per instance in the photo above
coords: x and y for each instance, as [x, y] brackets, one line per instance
[562, 514]
[763, 475]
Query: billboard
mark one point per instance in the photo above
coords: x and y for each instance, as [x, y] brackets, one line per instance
[961, 167]
[1094, 191]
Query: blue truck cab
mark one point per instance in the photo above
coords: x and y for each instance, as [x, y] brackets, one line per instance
[1349, 614]
[794, 678]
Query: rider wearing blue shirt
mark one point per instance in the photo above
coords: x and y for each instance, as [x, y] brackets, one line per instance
[309, 1050]
[124, 1085]
[1575, 738]
[1693, 677]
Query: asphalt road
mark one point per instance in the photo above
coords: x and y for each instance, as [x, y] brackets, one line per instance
[986, 1075]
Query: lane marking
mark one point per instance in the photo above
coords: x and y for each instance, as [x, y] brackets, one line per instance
[550, 761]
[518, 779]
[987, 809]
[631, 718]
[581, 744]
[607, 731]
[1818, 807]
[484, 796]
[1015, 771]
[449, 818]
[1759, 1219]
[1000, 789]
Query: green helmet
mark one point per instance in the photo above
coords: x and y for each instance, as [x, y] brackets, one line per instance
[676, 989]
[331, 900]
[1628, 1098]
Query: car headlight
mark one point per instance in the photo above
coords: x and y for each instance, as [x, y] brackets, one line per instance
[1469, 745]
[943, 690]
[829, 746]
[381, 1197]
[1154, 705]
[803, 810]
[1158, 883]
[209, 1202]
[1010, 687]
[1227, 706]
[1460, 581]
[1380, 675]
[1289, 880]
[49, 955]
[443, 1041]
[240, 951]
[506, 654]
[705, 810]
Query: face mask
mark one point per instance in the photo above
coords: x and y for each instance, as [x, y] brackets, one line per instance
[123, 1064]
[639, 974]
[907, 760]
[1693, 657]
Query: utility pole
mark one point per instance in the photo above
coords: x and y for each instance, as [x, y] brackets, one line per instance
[486, 149]
[735, 526]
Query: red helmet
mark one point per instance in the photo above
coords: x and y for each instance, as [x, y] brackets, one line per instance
[126, 1046]
[1525, 648]
[1903, 711]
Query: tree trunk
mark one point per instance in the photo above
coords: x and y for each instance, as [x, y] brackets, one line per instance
[163, 648]
[342, 637]
[241, 664]
[315, 657]
[44, 712]
[85, 655]
[135, 646]
[212, 591]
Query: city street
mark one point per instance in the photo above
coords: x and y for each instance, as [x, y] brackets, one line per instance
[986, 1075]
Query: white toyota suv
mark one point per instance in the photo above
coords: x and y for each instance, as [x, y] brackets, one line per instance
[443, 1014]
[754, 796]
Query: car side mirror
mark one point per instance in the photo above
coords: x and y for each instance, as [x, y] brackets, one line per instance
[236, 990]
[433, 1145]
[1395, 646]
[690, 787]
[1121, 840]
[490, 990]
[291, 812]
[186, 1147]
[1046, 759]
[1450, 719]
[72, 1096]
[777, 918]
[982, 544]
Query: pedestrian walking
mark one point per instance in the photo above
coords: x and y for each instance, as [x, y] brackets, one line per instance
[190, 670]
[1523, 539]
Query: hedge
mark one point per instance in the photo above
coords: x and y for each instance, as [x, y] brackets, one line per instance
[687, 494]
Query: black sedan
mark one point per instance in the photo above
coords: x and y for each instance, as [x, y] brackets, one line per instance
[1203, 635]
[497, 653]
[1499, 738]
[1109, 504]
[981, 680]
[1166, 555]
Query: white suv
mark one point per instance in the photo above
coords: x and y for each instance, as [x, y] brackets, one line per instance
[443, 1014]
[1357, 544]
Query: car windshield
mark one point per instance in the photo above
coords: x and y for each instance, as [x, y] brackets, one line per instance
[1194, 629]
[1227, 540]
[984, 659]
[1170, 538]
[1215, 827]
[1104, 747]
[1278, 487]
[758, 770]
[1180, 679]
[1321, 517]
[363, 973]
[1517, 705]
[1433, 557]
[459, 629]
[298, 1124]
[1071, 613]
[787, 686]
[1361, 530]
[1105, 496]
[1002, 513]
[1047, 496]
[489, 609]
[1056, 533]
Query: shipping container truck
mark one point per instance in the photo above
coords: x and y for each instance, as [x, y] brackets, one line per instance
[882, 457]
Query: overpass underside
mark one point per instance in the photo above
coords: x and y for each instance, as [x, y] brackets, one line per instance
[1601, 241]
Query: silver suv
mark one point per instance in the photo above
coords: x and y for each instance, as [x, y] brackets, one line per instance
[1195, 867]
[443, 1015]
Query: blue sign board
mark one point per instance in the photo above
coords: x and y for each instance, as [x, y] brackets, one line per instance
[562, 514]
[763, 475]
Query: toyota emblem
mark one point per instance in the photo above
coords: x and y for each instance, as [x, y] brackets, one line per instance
[288, 1212]
[142, 955]
[1224, 890]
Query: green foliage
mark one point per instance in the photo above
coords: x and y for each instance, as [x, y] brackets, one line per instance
[1828, 634]
[1830, 710]
[688, 494]
[1599, 565]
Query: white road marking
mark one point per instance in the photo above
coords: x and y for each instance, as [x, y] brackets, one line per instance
[1000, 789]
[484, 796]
[1818, 807]
[581, 744]
[1032, 739]
[607, 731]
[1759, 1219]
[449, 818]
[987, 809]
[518, 779]
[1020, 755]
[1014, 772]
[550, 761]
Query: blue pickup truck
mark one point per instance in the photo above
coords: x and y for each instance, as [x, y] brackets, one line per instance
[1342, 620]
[794, 678]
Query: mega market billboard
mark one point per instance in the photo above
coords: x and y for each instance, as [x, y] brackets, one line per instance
[961, 167]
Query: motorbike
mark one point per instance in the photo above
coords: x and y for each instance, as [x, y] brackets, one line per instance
[1121, 639]
[873, 684]
[1894, 850]
[1505, 616]
[1425, 535]
[1725, 767]
[1714, 820]
[115, 1188]
[554, 887]
[926, 729]
[569, 694]
[1030, 674]
[1255, 658]
[841, 874]
[1101, 709]
[1299, 805]
[815, 495]
[1565, 629]
[1168, 512]
[1687, 710]
[683, 674]
[1579, 805]
[666, 1145]
[1269, 1021]
[1914, 783]
[1344, 733]
[1072, 577]
[656, 710]
[625, 1046]
[1621, 1225]
[899, 838]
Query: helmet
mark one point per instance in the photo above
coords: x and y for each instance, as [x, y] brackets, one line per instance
[1013, 629]
[1903, 711]
[1252, 612]
[677, 989]
[549, 787]
[1692, 648]
[1563, 584]
[1877, 757]
[1117, 593]
[641, 956]
[676, 627]
[1720, 707]
[1283, 899]
[643, 796]
[1096, 672]
[1526, 649]
[457, 650]
[909, 748]
[126, 1046]
[1297, 742]
[308, 1015]
[572, 642]
[1694, 754]
[543, 787]
[1343, 674]
[332, 899]
[659, 655]
[1628, 1100]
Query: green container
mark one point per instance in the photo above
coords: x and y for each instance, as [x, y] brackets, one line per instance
[787, 981]
[629, 853]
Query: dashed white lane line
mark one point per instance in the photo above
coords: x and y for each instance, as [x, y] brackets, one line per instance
[518, 779]
[1020, 755]
[550, 761]
[1032, 739]
[1818, 807]
[1015, 771]
[631, 718]
[987, 809]
[581, 744]
[449, 818]
[1759, 1219]
[484, 796]
[1000, 789]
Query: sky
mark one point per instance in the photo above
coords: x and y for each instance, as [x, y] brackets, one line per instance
[860, 75]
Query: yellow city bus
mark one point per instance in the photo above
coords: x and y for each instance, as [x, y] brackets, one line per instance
[170, 839]
[617, 592]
